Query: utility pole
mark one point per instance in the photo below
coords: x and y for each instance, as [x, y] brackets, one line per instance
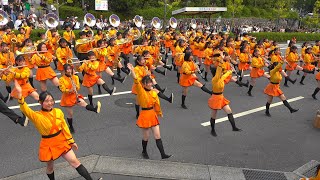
[165, 14]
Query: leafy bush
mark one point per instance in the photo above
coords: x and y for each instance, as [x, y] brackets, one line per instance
[283, 37]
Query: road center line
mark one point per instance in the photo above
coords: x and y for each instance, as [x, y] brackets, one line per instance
[58, 101]
[252, 111]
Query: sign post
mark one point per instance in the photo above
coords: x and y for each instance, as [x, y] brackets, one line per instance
[101, 5]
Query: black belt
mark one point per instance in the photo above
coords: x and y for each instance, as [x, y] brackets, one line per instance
[273, 83]
[149, 108]
[43, 66]
[52, 135]
[216, 93]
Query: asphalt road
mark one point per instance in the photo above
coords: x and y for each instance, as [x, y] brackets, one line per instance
[283, 142]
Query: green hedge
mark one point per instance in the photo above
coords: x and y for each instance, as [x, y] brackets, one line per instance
[283, 37]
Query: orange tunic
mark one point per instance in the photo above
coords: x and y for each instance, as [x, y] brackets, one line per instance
[69, 35]
[273, 88]
[308, 59]
[140, 72]
[7, 59]
[84, 48]
[188, 76]
[27, 57]
[22, 76]
[244, 61]
[44, 70]
[217, 100]
[62, 55]
[150, 104]
[208, 55]
[101, 56]
[90, 78]
[113, 52]
[65, 85]
[257, 67]
[179, 56]
[292, 59]
[21, 38]
[49, 123]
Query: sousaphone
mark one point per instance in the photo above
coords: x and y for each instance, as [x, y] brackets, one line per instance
[51, 20]
[114, 20]
[173, 22]
[4, 18]
[156, 22]
[89, 19]
[193, 24]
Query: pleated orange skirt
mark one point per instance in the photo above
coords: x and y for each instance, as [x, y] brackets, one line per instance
[60, 66]
[168, 44]
[217, 102]
[292, 66]
[102, 66]
[27, 89]
[243, 66]
[187, 80]
[273, 90]
[308, 67]
[45, 73]
[256, 73]
[53, 148]
[90, 80]
[147, 119]
[207, 62]
[318, 76]
[69, 99]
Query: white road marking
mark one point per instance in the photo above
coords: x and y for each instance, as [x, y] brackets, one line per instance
[58, 101]
[129, 103]
[252, 111]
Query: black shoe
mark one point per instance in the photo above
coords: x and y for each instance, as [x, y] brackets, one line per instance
[301, 83]
[298, 73]
[314, 97]
[163, 90]
[236, 129]
[249, 93]
[205, 79]
[268, 114]
[246, 84]
[294, 81]
[213, 133]
[137, 116]
[170, 68]
[123, 79]
[171, 98]
[112, 91]
[145, 155]
[184, 106]
[286, 85]
[23, 121]
[71, 129]
[165, 156]
[294, 110]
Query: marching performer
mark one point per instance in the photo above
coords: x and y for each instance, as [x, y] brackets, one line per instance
[257, 65]
[217, 101]
[56, 138]
[273, 88]
[44, 71]
[245, 59]
[189, 78]
[151, 109]
[70, 86]
[63, 53]
[89, 67]
[308, 67]
[6, 59]
[69, 35]
[292, 59]
[27, 51]
[318, 86]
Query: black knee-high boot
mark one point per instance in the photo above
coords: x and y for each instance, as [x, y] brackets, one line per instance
[118, 79]
[55, 64]
[31, 81]
[164, 72]
[83, 172]
[298, 72]
[137, 110]
[51, 176]
[110, 91]
[161, 149]
[212, 124]
[302, 79]
[8, 88]
[205, 76]
[183, 105]
[118, 71]
[159, 88]
[309, 72]
[168, 67]
[70, 120]
[267, 109]
[233, 124]
[240, 79]
[291, 80]
[80, 80]
[250, 89]
[144, 151]
[285, 102]
[90, 99]
[203, 88]
[178, 76]
[125, 70]
[315, 93]
[94, 109]
[99, 89]
[162, 96]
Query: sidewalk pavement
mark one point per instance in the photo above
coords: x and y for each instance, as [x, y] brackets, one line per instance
[134, 169]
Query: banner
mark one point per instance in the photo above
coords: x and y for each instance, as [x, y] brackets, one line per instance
[101, 5]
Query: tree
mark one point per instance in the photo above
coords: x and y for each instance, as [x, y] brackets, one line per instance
[235, 7]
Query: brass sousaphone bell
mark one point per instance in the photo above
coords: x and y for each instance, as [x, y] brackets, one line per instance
[114, 20]
[89, 19]
[156, 22]
[193, 24]
[51, 20]
[137, 20]
[173, 22]
[4, 18]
